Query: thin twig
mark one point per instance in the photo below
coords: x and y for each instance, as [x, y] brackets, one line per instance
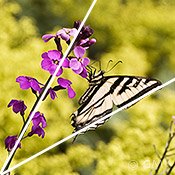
[167, 162]
[171, 136]
[171, 168]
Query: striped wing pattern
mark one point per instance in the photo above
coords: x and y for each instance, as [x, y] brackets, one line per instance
[99, 98]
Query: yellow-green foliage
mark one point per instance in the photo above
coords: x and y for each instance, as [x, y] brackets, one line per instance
[139, 33]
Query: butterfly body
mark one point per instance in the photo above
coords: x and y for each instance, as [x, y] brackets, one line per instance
[106, 91]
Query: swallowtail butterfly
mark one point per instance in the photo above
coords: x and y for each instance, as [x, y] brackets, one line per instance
[106, 91]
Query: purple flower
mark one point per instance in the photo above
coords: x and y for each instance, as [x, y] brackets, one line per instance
[51, 60]
[17, 106]
[67, 85]
[37, 130]
[39, 119]
[10, 142]
[28, 82]
[66, 33]
[78, 64]
[39, 122]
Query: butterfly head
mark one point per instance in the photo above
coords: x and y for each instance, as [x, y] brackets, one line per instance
[93, 74]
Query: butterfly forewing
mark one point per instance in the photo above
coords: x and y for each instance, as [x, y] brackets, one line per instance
[130, 88]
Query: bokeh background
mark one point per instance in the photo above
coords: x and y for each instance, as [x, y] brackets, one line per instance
[139, 33]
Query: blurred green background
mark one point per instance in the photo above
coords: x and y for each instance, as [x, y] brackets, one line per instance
[140, 33]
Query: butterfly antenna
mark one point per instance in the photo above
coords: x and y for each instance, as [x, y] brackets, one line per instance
[93, 63]
[108, 64]
[113, 65]
[90, 69]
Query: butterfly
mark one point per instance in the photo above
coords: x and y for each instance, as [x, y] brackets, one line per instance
[106, 91]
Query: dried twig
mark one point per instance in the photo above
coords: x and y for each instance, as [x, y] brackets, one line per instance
[171, 168]
[166, 150]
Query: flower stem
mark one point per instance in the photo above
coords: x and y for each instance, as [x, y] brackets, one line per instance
[23, 118]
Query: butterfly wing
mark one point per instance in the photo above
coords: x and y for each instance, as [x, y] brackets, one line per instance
[98, 100]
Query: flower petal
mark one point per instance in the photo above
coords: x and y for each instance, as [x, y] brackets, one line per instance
[52, 69]
[65, 63]
[12, 102]
[78, 71]
[83, 41]
[79, 51]
[59, 72]
[37, 130]
[52, 93]
[84, 73]
[47, 37]
[45, 55]
[86, 43]
[54, 55]
[46, 64]
[74, 64]
[63, 33]
[64, 82]
[71, 92]
[65, 36]
[73, 32]
[35, 85]
[24, 82]
[85, 61]
[16, 107]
